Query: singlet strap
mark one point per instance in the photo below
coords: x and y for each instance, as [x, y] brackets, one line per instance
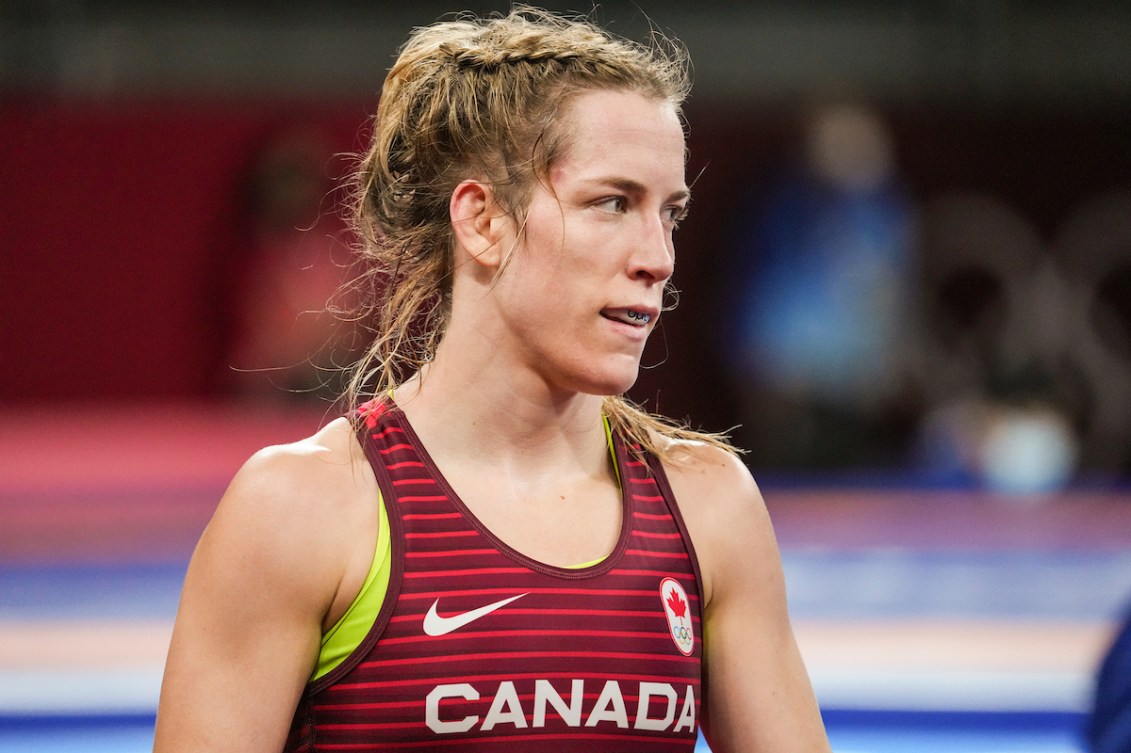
[612, 452]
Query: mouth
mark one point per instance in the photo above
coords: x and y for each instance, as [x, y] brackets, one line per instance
[634, 317]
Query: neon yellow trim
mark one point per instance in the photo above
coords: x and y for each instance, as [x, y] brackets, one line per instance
[347, 633]
[584, 565]
[612, 451]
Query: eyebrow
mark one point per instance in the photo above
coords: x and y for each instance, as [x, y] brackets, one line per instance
[628, 185]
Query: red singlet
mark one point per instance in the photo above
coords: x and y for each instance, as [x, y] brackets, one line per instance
[480, 648]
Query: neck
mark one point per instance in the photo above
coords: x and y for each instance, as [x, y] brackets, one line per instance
[503, 422]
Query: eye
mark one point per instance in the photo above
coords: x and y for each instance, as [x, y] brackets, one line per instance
[674, 215]
[613, 205]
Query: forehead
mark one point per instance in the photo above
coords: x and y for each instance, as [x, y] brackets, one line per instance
[618, 131]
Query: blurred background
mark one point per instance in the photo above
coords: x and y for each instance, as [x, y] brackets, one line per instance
[905, 287]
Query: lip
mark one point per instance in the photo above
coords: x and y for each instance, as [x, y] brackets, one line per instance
[638, 331]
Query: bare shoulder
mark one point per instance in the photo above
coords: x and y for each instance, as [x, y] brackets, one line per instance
[723, 508]
[711, 482]
[705, 463]
[307, 496]
[307, 471]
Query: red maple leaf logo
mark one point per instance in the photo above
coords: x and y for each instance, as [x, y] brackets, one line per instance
[677, 605]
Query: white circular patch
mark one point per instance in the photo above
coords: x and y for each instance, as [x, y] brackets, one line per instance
[677, 609]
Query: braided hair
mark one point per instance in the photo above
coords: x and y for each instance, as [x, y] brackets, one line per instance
[483, 98]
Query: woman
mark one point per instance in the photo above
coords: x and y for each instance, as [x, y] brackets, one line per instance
[489, 555]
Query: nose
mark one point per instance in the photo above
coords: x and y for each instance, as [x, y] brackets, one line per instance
[653, 257]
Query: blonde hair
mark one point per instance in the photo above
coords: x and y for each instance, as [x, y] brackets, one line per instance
[483, 98]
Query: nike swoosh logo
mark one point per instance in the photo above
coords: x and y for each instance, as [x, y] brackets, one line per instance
[435, 625]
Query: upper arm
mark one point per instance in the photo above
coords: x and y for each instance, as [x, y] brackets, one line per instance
[248, 628]
[758, 694]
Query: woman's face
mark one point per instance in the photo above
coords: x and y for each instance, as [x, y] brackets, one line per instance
[584, 286]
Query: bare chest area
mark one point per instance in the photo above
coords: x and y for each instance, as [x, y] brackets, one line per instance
[556, 522]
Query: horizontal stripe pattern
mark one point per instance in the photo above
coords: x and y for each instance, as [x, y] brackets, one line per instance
[579, 657]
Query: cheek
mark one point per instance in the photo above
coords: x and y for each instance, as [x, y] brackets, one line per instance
[544, 263]
[561, 252]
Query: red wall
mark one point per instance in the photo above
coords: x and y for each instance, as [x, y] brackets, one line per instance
[119, 222]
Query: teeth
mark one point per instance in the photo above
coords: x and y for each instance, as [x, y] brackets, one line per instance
[629, 316]
[634, 317]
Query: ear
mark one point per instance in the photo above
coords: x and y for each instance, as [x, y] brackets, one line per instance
[478, 222]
